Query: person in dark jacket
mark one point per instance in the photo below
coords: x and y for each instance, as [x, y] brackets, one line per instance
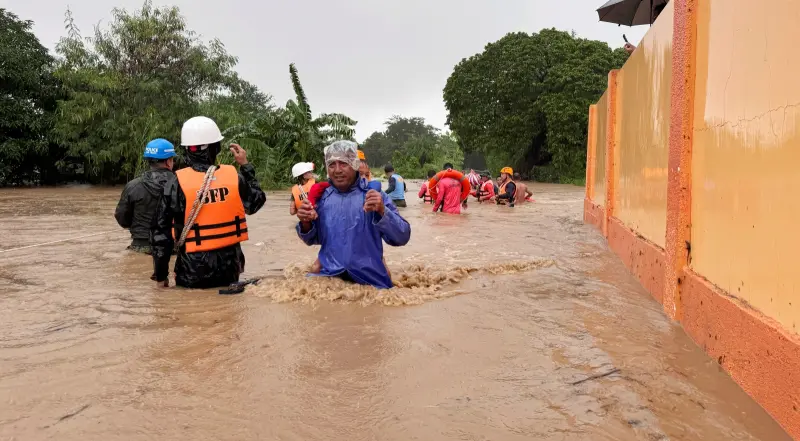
[212, 255]
[139, 201]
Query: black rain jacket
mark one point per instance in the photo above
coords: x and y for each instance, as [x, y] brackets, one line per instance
[205, 269]
[138, 204]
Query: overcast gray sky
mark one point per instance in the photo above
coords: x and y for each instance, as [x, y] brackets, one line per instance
[369, 59]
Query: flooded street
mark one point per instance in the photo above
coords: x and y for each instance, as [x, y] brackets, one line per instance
[498, 322]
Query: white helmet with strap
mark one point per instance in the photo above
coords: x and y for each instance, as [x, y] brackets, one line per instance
[302, 168]
[200, 130]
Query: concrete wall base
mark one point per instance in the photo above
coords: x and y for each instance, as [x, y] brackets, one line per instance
[643, 258]
[754, 349]
[593, 214]
[762, 358]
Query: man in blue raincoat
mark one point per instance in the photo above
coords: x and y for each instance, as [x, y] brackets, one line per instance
[351, 220]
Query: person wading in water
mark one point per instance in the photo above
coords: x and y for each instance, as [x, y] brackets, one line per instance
[211, 255]
[450, 192]
[424, 191]
[139, 201]
[350, 221]
[507, 187]
[521, 194]
[303, 173]
[397, 187]
[485, 191]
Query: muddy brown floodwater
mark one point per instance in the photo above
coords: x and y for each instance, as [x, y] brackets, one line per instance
[497, 317]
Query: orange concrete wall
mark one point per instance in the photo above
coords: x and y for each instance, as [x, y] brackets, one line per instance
[599, 176]
[746, 158]
[701, 148]
[643, 106]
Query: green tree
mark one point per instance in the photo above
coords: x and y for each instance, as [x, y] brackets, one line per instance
[422, 153]
[241, 105]
[136, 80]
[523, 101]
[381, 146]
[309, 135]
[289, 135]
[28, 94]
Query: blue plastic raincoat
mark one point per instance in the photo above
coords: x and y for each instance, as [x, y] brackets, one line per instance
[351, 239]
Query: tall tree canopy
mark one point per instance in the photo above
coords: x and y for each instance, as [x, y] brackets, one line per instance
[524, 101]
[381, 146]
[412, 146]
[28, 95]
[133, 81]
[87, 114]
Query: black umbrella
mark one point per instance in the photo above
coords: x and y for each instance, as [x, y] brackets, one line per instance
[631, 12]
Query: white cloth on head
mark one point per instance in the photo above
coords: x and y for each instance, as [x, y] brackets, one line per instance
[342, 151]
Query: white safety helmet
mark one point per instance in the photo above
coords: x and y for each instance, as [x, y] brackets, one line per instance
[302, 168]
[200, 130]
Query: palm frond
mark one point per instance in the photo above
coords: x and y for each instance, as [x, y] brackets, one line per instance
[335, 126]
[302, 101]
[336, 118]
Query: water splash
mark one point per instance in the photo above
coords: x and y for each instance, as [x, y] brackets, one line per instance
[413, 285]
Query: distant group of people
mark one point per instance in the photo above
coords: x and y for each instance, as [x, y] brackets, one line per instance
[509, 190]
[199, 213]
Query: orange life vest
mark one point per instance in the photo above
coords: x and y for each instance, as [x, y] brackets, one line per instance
[503, 191]
[298, 195]
[221, 221]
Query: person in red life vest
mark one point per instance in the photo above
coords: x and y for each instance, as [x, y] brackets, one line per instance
[211, 255]
[424, 191]
[303, 173]
[449, 193]
[486, 190]
[508, 188]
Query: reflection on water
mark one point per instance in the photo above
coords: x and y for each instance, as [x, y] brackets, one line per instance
[494, 316]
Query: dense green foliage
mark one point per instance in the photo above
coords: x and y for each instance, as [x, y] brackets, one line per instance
[88, 114]
[524, 101]
[412, 147]
[28, 95]
[135, 81]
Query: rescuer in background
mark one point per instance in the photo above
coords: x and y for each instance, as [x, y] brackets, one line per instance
[139, 201]
[508, 188]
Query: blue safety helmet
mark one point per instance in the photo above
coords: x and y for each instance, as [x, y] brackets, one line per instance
[159, 149]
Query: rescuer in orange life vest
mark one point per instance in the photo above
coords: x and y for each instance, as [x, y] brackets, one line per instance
[211, 255]
[303, 173]
[508, 188]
